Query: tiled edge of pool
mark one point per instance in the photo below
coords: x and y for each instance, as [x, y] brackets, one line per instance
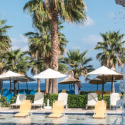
[50, 124]
[48, 113]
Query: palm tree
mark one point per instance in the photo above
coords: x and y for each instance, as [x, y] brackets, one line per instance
[53, 10]
[16, 60]
[40, 44]
[112, 50]
[77, 63]
[5, 43]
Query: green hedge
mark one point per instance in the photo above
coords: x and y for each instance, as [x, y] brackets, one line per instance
[74, 101]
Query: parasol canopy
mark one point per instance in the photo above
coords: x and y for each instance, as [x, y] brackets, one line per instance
[69, 80]
[9, 75]
[99, 81]
[27, 79]
[96, 81]
[12, 75]
[49, 74]
[112, 77]
[115, 77]
[103, 71]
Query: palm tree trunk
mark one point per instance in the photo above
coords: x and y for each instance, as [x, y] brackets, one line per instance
[46, 67]
[113, 85]
[38, 85]
[55, 86]
[1, 71]
[55, 44]
[51, 86]
[15, 87]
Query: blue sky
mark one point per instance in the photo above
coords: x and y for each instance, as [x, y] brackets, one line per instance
[102, 16]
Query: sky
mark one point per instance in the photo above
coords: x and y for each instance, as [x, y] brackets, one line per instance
[102, 16]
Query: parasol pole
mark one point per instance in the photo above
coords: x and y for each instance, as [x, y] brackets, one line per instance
[97, 86]
[111, 83]
[27, 85]
[18, 87]
[15, 87]
[102, 86]
[10, 87]
[48, 94]
[69, 86]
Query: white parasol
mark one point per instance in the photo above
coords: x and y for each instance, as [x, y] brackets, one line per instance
[102, 71]
[49, 74]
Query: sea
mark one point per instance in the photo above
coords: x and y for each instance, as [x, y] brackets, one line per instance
[85, 86]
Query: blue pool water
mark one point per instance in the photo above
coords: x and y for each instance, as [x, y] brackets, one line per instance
[64, 120]
[85, 86]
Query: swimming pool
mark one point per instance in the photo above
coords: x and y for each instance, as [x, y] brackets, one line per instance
[67, 119]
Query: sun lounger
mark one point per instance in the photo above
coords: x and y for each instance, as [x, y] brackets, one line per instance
[20, 98]
[71, 92]
[58, 108]
[92, 99]
[32, 92]
[25, 107]
[108, 92]
[63, 91]
[100, 110]
[60, 91]
[21, 92]
[7, 94]
[63, 97]
[114, 97]
[98, 92]
[38, 99]
[26, 92]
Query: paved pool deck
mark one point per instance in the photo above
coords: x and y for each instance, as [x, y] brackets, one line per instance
[72, 111]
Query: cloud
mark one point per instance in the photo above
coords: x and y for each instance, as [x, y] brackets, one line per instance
[111, 15]
[91, 40]
[3, 13]
[89, 21]
[76, 47]
[20, 43]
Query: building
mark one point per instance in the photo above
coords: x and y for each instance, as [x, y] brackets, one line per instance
[120, 2]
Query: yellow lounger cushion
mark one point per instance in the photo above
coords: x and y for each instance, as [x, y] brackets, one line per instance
[100, 109]
[25, 107]
[99, 116]
[21, 114]
[55, 115]
[57, 110]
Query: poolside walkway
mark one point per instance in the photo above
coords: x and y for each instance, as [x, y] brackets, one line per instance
[81, 111]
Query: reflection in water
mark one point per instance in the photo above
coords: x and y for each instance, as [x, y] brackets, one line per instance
[26, 120]
[67, 119]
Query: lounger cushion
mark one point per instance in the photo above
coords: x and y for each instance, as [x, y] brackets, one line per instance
[25, 107]
[20, 98]
[63, 97]
[92, 99]
[114, 97]
[21, 114]
[38, 99]
[55, 115]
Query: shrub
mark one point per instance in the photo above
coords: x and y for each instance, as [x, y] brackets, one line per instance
[13, 100]
[4, 102]
[30, 97]
[74, 101]
[52, 98]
